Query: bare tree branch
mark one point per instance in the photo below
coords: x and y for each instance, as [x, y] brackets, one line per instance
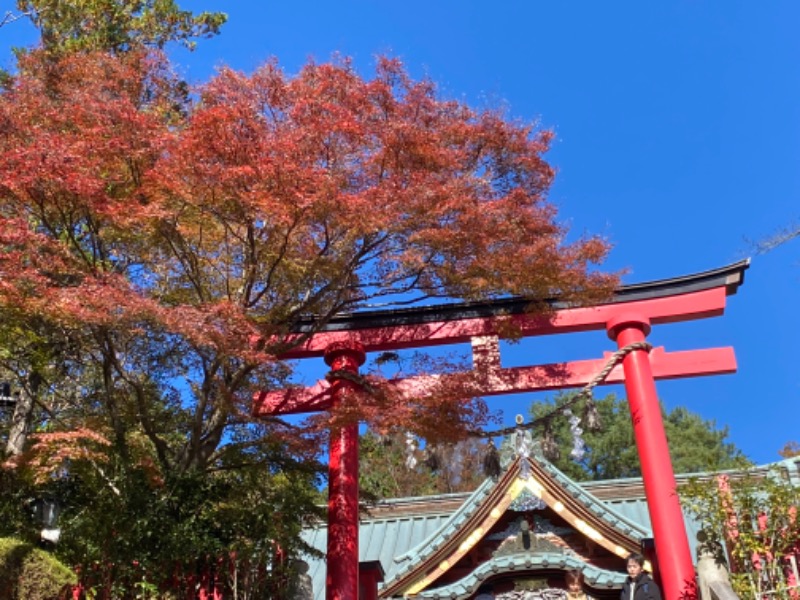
[10, 17]
[778, 239]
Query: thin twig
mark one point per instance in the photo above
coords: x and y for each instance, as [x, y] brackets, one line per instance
[10, 17]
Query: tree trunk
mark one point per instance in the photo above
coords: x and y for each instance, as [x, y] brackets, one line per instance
[21, 421]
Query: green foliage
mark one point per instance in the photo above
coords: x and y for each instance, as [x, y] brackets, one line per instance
[15, 497]
[29, 573]
[440, 468]
[755, 520]
[695, 444]
[382, 469]
[128, 527]
[145, 533]
[117, 25]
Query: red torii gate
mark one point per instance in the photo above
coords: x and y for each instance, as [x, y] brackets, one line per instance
[627, 318]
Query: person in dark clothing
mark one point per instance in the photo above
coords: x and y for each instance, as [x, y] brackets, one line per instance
[639, 585]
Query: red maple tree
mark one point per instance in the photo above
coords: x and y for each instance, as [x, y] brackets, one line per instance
[159, 229]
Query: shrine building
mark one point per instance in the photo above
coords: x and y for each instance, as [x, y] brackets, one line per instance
[513, 538]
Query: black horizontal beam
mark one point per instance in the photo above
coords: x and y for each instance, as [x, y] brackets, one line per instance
[730, 276]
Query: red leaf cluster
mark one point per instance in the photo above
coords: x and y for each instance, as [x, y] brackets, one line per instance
[127, 202]
[54, 452]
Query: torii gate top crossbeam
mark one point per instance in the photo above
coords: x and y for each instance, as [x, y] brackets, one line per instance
[684, 298]
[626, 317]
[691, 297]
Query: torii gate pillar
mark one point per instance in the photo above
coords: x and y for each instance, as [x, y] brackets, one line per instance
[342, 575]
[672, 545]
[627, 317]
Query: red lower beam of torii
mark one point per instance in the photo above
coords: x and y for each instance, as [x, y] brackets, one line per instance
[627, 318]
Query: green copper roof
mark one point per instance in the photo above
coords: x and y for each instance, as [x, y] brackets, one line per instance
[400, 541]
[547, 475]
[467, 586]
[433, 542]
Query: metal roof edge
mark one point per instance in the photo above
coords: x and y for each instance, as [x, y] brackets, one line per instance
[600, 508]
[464, 511]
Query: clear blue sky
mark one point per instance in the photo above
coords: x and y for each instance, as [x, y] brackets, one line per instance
[677, 137]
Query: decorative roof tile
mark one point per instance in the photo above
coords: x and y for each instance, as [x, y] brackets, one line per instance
[401, 528]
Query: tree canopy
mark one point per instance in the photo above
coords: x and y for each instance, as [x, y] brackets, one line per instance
[160, 243]
[116, 25]
[790, 449]
[610, 452]
[696, 445]
[384, 470]
[162, 233]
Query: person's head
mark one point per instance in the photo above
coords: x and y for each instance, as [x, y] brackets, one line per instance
[635, 564]
[574, 581]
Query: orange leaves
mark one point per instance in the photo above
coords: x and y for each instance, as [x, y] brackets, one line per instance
[380, 178]
[438, 399]
[52, 453]
[347, 187]
[261, 199]
[83, 450]
[79, 132]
